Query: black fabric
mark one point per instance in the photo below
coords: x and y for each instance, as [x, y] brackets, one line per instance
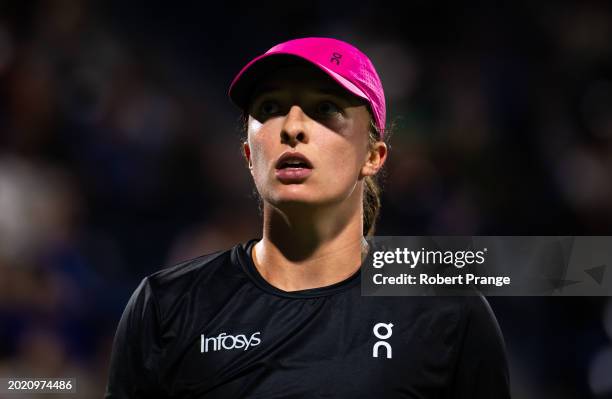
[184, 334]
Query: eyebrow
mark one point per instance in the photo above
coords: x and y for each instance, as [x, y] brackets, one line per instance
[265, 89]
[333, 91]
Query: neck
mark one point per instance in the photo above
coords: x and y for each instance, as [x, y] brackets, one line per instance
[308, 247]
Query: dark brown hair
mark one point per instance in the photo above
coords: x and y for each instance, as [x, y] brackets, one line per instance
[372, 189]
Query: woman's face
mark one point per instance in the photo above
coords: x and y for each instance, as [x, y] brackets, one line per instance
[302, 110]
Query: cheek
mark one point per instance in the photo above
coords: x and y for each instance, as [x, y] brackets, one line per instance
[350, 146]
[344, 162]
[257, 153]
[260, 161]
[262, 153]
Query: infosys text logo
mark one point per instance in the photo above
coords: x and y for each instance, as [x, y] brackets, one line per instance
[228, 342]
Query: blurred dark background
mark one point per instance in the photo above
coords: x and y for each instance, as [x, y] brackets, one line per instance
[120, 155]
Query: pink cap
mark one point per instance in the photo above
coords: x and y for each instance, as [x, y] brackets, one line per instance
[348, 66]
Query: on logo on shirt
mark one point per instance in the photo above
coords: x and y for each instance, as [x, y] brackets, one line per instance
[386, 334]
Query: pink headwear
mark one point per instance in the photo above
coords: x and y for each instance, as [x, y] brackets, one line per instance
[348, 66]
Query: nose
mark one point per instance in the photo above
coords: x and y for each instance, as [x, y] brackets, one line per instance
[294, 127]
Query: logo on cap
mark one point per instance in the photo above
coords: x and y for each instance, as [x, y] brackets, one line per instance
[336, 58]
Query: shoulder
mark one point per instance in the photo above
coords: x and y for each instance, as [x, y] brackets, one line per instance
[206, 279]
[473, 316]
[470, 309]
[463, 308]
[185, 273]
[479, 316]
[482, 352]
[469, 319]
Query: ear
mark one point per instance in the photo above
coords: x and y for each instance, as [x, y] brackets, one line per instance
[375, 160]
[246, 151]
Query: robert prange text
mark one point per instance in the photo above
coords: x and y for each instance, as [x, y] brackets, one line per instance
[426, 279]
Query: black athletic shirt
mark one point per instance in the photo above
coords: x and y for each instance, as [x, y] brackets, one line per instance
[213, 327]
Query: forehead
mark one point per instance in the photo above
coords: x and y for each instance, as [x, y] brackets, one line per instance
[302, 79]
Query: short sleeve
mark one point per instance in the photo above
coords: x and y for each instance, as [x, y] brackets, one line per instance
[134, 359]
[482, 366]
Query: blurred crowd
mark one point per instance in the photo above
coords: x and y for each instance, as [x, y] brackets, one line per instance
[120, 155]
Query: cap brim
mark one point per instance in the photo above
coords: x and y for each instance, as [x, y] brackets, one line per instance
[244, 83]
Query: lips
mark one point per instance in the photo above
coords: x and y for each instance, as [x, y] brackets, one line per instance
[293, 168]
[291, 160]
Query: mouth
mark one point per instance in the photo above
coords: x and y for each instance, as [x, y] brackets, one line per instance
[293, 168]
[293, 160]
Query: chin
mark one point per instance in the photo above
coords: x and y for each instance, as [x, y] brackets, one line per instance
[292, 197]
[300, 200]
[292, 200]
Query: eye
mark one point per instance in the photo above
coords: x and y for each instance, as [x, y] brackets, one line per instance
[327, 108]
[269, 107]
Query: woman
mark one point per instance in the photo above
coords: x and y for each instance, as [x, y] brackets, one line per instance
[282, 316]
